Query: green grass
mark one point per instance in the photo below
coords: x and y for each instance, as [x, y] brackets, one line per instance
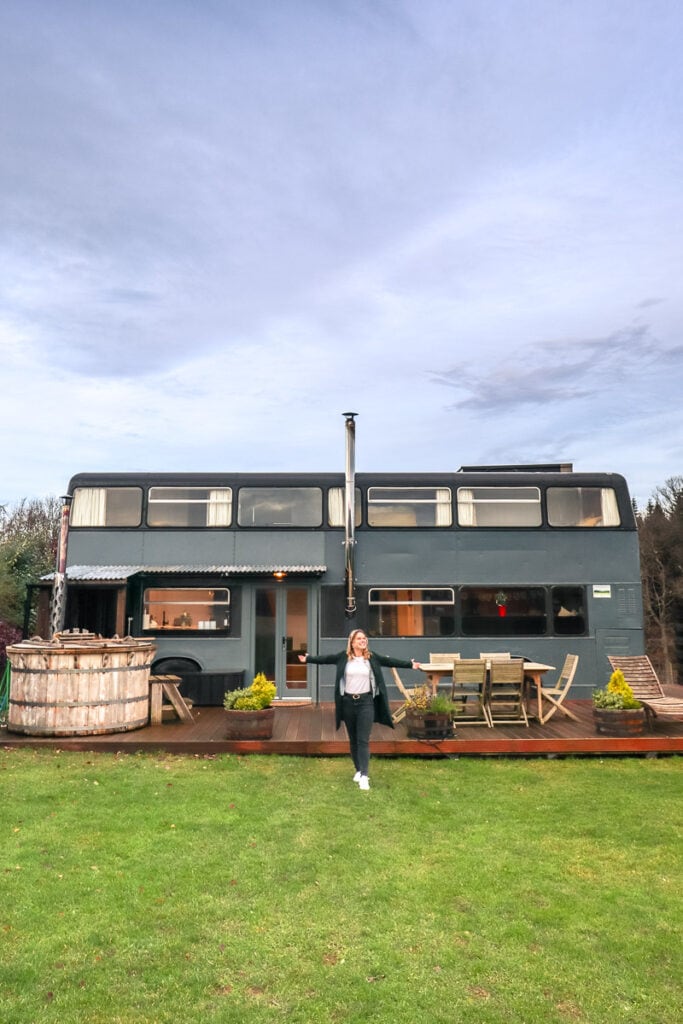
[148, 890]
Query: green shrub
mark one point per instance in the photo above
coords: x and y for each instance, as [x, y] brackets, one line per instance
[259, 695]
[423, 700]
[617, 694]
[441, 705]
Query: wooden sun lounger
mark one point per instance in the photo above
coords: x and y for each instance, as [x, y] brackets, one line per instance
[640, 675]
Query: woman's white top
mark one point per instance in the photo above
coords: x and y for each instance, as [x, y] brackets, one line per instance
[357, 676]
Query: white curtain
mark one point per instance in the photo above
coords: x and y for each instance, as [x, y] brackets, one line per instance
[219, 507]
[466, 508]
[335, 506]
[609, 507]
[444, 515]
[89, 507]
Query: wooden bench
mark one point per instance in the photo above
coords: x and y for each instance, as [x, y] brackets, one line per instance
[166, 686]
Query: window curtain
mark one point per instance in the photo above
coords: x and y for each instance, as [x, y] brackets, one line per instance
[466, 509]
[335, 506]
[219, 507]
[609, 507]
[89, 507]
[444, 514]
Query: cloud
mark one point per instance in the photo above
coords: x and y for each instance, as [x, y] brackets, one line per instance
[224, 224]
[564, 371]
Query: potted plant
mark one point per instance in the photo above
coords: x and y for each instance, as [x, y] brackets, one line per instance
[249, 711]
[616, 711]
[428, 715]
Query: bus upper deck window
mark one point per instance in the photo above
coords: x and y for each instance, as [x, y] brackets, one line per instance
[409, 506]
[189, 506]
[106, 506]
[280, 506]
[582, 506]
[499, 506]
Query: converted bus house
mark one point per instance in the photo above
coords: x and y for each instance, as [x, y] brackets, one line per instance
[232, 574]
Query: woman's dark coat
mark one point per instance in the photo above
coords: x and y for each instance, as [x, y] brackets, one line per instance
[382, 712]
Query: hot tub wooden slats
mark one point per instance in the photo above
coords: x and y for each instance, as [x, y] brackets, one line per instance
[79, 688]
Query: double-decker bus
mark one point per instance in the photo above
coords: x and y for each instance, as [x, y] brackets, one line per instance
[237, 573]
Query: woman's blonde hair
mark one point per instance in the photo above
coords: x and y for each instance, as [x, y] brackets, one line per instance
[349, 646]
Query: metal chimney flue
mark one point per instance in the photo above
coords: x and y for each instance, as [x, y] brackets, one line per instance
[350, 514]
[58, 599]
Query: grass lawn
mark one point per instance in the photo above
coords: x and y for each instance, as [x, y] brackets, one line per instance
[169, 890]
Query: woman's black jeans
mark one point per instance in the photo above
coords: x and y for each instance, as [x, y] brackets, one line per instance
[358, 716]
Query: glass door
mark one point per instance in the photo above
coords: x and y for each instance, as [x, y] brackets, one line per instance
[280, 635]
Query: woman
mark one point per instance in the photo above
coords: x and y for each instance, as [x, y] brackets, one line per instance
[360, 695]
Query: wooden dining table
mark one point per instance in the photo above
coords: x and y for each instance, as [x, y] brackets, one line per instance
[533, 674]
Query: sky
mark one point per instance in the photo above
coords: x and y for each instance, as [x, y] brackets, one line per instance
[224, 223]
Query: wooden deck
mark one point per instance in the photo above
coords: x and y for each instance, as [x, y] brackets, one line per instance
[309, 731]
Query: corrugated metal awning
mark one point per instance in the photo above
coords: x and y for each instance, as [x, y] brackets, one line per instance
[121, 573]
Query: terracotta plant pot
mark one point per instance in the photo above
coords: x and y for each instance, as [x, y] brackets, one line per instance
[620, 721]
[250, 725]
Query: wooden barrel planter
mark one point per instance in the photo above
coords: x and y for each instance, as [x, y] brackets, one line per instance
[620, 721]
[250, 725]
[79, 686]
[428, 725]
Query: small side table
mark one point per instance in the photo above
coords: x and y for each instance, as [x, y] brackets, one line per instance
[166, 686]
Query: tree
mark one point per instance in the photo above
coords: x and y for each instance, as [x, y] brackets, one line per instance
[660, 530]
[28, 545]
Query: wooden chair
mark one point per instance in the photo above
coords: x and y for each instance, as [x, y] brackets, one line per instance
[505, 691]
[400, 713]
[640, 675]
[495, 655]
[468, 691]
[556, 694]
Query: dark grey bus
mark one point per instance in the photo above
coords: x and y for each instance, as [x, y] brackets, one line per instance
[234, 574]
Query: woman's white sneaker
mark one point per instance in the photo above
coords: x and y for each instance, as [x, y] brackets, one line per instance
[364, 782]
[357, 777]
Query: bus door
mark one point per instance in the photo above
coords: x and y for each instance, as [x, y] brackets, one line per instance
[281, 621]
